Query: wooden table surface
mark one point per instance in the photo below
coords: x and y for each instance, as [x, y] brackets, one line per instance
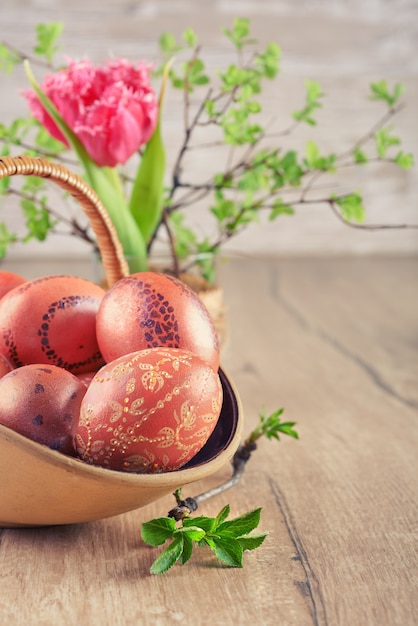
[334, 341]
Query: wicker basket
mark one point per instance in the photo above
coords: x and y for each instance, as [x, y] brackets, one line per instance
[40, 486]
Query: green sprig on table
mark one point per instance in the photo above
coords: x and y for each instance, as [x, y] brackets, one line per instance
[226, 538]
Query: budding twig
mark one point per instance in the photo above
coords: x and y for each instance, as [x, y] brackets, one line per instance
[239, 461]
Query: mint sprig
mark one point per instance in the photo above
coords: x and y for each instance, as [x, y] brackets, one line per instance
[227, 539]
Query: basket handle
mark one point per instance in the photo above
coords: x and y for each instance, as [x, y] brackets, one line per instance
[111, 251]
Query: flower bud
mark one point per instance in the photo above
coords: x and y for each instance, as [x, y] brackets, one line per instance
[112, 109]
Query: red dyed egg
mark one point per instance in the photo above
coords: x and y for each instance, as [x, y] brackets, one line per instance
[5, 366]
[148, 310]
[52, 320]
[86, 377]
[8, 281]
[150, 411]
[42, 402]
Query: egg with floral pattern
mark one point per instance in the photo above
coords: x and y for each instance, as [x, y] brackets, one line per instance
[149, 411]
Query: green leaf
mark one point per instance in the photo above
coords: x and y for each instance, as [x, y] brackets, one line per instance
[157, 531]
[270, 426]
[315, 160]
[224, 209]
[280, 208]
[194, 71]
[210, 108]
[194, 533]
[241, 525]
[206, 541]
[268, 62]
[380, 91]
[286, 171]
[312, 153]
[239, 33]
[184, 237]
[206, 260]
[17, 130]
[404, 160]
[222, 515]
[168, 44]
[205, 523]
[146, 201]
[187, 549]
[385, 140]
[238, 127]
[312, 103]
[351, 206]
[8, 59]
[190, 37]
[47, 36]
[313, 91]
[33, 184]
[360, 156]
[254, 179]
[6, 238]
[38, 221]
[252, 542]
[168, 557]
[228, 550]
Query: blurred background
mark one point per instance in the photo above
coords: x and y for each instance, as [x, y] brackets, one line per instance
[342, 44]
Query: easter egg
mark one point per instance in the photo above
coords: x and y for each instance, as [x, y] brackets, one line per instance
[52, 320]
[149, 310]
[5, 366]
[9, 280]
[149, 411]
[42, 402]
[86, 377]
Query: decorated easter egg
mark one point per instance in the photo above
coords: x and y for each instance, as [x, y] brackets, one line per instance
[149, 411]
[5, 366]
[86, 377]
[149, 310]
[42, 402]
[52, 320]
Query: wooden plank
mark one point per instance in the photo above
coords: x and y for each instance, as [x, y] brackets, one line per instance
[348, 488]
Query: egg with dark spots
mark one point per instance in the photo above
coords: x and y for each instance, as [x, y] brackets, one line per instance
[42, 403]
[149, 310]
[52, 320]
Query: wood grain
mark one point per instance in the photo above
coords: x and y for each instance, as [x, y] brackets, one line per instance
[334, 342]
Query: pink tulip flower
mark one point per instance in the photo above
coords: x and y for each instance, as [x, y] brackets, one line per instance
[112, 109]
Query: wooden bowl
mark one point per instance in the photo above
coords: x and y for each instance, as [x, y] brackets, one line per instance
[41, 487]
